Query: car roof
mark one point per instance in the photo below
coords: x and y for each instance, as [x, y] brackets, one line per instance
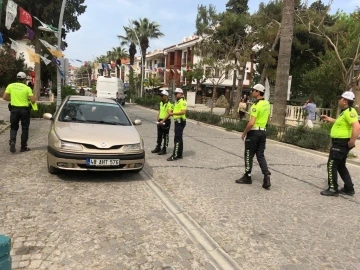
[89, 98]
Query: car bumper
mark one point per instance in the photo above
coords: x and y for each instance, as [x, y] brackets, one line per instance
[77, 162]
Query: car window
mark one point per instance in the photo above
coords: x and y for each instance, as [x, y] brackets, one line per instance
[93, 112]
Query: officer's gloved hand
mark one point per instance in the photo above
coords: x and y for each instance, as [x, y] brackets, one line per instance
[9, 107]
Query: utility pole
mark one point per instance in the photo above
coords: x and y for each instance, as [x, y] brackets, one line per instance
[58, 77]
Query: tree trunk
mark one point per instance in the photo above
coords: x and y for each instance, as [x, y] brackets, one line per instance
[240, 87]
[266, 66]
[37, 84]
[117, 72]
[282, 74]
[230, 106]
[213, 98]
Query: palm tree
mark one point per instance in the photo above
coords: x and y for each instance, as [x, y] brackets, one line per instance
[119, 53]
[130, 40]
[146, 30]
[282, 75]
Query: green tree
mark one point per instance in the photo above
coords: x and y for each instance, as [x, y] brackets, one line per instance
[227, 36]
[119, 53]
[195, 73]
[49, 13]
[10, 65]
[83, 74]
[237, 6]
[130, 40]
[145, 31]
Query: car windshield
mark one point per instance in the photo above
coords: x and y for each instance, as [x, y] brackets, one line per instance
[93, 112]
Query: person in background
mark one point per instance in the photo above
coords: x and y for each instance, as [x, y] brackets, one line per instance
[310, 108]
[19, 95]
[344, 133]
[242, 108]
[164, 123]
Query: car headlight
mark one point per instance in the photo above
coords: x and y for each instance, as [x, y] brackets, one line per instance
[70, 146]
[132, 147]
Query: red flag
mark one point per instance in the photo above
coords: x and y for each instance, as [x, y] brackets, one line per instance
[25, 17]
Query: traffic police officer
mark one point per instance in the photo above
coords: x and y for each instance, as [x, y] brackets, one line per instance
[343, 134]
[164, 123]
[19, 95]
[179, 115]
[255, 134]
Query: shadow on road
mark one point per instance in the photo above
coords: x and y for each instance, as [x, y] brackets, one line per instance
[97, 177]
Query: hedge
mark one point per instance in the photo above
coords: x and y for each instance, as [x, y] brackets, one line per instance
[43, 108]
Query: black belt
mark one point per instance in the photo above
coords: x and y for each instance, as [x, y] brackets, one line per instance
[340, 140]
[20, 107]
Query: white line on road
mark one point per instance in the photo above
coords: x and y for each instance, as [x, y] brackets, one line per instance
[217, 256]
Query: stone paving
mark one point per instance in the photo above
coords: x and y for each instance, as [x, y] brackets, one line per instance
[114, 221]
[289, 227]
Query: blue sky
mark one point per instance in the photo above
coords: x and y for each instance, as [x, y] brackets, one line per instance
[104, 20]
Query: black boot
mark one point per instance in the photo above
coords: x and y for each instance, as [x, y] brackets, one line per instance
[245, 179]
[345, 191]
[163, 151]
[266, 183]
[330, 192]
[12, 147]
[157, 149]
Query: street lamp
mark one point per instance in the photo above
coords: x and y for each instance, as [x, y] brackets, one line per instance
[142, 60]
[58, 77]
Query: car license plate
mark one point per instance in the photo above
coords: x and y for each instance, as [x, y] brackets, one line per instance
[102, 162]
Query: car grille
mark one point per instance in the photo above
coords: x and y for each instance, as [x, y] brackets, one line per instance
[91, 146]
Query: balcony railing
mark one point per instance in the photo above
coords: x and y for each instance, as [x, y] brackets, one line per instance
[161, 65]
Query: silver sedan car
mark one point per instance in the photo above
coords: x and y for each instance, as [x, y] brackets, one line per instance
[93, 134]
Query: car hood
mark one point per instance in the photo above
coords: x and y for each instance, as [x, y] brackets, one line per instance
[96, 134]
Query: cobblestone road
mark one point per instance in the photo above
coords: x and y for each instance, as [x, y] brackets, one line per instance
[115, 221]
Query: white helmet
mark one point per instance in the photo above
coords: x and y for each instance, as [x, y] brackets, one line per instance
[21, 75]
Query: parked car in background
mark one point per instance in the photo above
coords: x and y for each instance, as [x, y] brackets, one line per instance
[93, 134]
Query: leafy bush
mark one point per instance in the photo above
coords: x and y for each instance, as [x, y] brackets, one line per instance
[272, 132]
[205, 117]
[152, 103]
[326, 125]
[65, 91]
[293, 135]
[317, 139]
[230, 124]
[43, 108]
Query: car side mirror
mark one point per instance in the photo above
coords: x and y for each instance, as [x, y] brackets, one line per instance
[137, 122]
[48, 116]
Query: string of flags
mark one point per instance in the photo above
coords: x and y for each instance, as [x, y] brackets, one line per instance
[12, 11]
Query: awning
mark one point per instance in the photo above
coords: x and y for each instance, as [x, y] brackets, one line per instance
[164, 88]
